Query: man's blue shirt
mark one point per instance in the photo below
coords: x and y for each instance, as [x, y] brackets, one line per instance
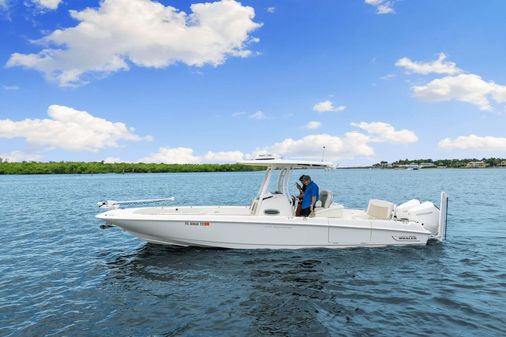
[312, 190]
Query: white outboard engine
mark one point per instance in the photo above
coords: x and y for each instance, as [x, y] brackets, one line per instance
[402, 210]
[427, 214]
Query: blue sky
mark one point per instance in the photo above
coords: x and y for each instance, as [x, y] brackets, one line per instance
[178, 81]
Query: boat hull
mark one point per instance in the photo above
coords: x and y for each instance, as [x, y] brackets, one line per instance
[242, 232]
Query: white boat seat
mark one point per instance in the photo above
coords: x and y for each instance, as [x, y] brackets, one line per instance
[326, 199]
[380, 209]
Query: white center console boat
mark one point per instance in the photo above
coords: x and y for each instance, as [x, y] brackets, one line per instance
[269, 222]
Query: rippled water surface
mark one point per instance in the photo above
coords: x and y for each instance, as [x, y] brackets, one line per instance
[61, 275]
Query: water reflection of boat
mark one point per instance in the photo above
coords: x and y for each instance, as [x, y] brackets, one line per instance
[270, 221]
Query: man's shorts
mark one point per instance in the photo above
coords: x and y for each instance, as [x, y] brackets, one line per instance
[305, 211]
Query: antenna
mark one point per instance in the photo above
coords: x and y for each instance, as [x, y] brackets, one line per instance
[323, 153]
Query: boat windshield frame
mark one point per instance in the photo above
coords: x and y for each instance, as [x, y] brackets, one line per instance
[286, 167]
[282, 185]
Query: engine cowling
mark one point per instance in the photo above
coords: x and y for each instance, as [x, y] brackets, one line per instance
[427, 214]
[402, 210]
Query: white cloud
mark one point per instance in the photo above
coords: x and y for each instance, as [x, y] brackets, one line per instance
[473, 142]
[439, 66]
[49, 4]
[459, 86]
[387, 77]
[382, 6]
[258, 115]
[69, 129]
[352, 144]
[113, 160]
[467, 88]
[10, 87]
[255, 115]
[176, 155]
[327, 106]
[384, 132]
[144, 33]
[17, 156]
[185, 155]
[313, 125]
[224, 156]
[270, 9]
[3, 4]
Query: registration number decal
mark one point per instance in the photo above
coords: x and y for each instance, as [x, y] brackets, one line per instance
[197, 223]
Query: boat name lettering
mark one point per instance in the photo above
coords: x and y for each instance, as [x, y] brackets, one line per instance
[405, 238]
[197, 223]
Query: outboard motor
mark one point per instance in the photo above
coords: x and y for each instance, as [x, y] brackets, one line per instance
[427, 214]
[402, 210]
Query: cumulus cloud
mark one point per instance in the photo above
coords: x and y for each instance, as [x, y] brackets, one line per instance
[474, 142]
[382, 6]
[17, 156]
[49, 4]
[258, 115]
[69, 129]
[327, 106]
[439, 66]
[467, 88]
[185, 155]
[176, 155]
[313, 125]
[145, 33]
[352, 144]
[457, 86]
[255, 115]
[384, 132]
[224, 156]
[113, 160]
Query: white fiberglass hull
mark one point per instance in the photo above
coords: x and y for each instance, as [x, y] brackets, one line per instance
[223, 229]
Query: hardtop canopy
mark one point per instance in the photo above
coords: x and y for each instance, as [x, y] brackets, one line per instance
[275, 163]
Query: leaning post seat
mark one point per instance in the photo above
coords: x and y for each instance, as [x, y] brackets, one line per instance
[326, 199]
[380, 209]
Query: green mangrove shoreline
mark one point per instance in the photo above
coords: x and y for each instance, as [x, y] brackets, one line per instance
[101, 167]
[8, 168]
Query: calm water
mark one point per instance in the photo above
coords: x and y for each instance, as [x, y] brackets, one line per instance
[61, 275]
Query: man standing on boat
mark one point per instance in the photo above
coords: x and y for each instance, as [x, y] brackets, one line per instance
[311, 196]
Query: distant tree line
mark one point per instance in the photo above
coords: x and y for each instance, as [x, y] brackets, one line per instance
[453, 163]
[101, 167]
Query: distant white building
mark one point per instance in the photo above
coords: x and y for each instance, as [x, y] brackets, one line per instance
[476, 164]
[409, 166]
